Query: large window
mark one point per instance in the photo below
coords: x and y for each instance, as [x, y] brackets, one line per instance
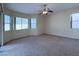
[18, 23]
[24, 23]
[33, 23]
[75, 20]
[21, 23]
[7, 22]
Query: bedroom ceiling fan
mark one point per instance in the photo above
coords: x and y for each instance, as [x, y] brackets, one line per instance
[46, 10]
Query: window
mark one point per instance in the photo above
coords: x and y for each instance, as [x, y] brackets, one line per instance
[24, 23]
[18, 23]
[21, 23]
[7, 21]
[75, 20]
[33, 23]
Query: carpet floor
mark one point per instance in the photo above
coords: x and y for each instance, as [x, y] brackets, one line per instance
[43, 45]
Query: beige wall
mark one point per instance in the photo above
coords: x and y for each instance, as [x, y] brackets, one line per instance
[21, 33]
[59, 24]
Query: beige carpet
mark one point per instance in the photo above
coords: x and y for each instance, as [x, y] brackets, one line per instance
[43, 45]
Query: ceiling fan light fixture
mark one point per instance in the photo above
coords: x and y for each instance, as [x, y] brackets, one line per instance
[45, 12]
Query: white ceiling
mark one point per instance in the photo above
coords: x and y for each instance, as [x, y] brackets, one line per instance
[35, 8]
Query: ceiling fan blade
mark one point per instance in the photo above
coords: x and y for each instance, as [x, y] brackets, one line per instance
[50, 11]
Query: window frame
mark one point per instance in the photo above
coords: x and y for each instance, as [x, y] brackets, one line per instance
[72, 21]
[22, 23]
[33, 23]
[7, 23]
[16, 23]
